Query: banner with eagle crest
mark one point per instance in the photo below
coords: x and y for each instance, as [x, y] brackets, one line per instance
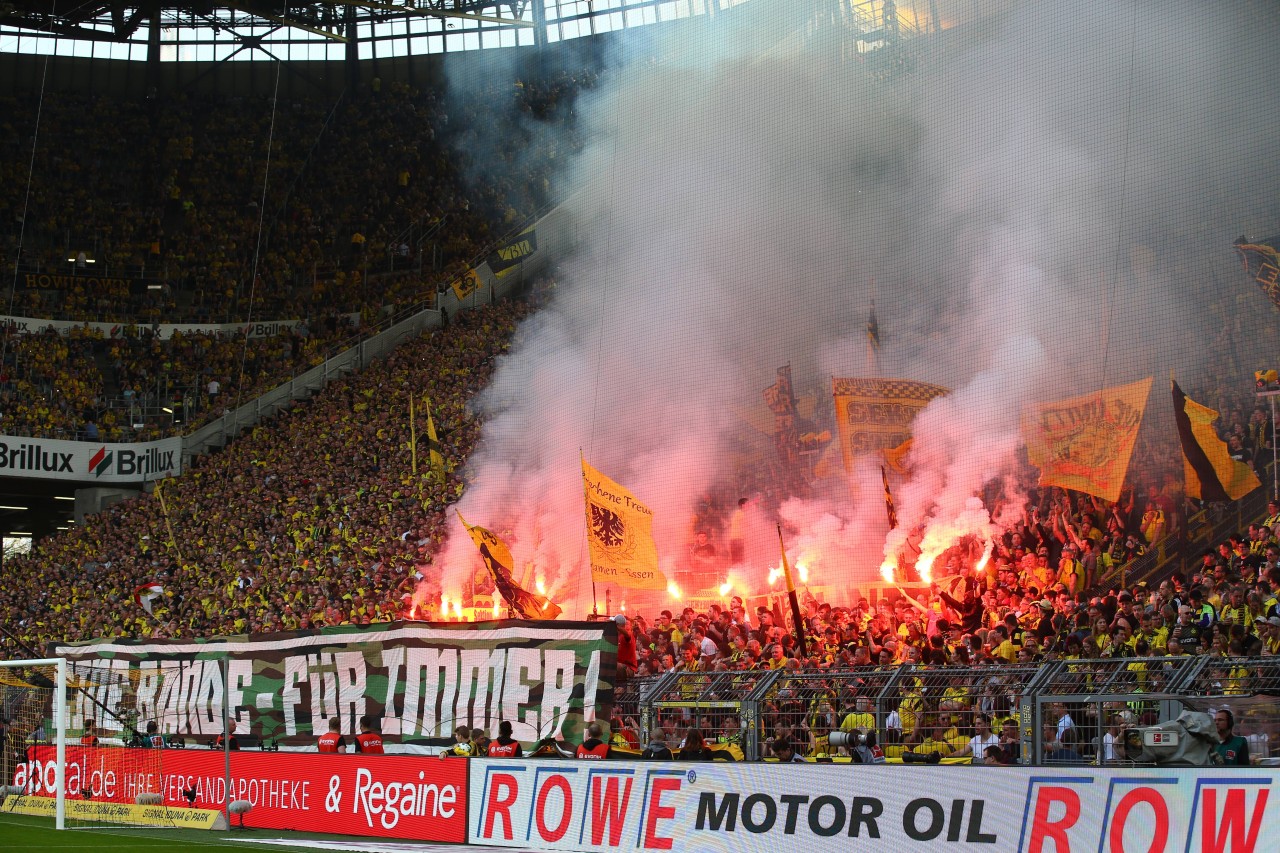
[619, 534]
[1084, 443]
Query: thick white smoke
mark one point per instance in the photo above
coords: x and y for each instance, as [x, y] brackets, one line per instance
[1036, 203]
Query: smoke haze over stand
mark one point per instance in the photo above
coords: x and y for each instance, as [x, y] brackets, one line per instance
[1040, 207]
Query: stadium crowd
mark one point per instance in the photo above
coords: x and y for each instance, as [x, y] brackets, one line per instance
[373, 204]
[376, 182]
[87, 386]
[1052, 591]
[314, 518]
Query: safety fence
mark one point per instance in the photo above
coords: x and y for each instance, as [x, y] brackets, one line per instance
[1064, 711]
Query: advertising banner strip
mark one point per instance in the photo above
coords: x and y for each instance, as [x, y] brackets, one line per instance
[414, 797]
[419, 680]
[163, 331]
[134, 815]
[766, 808]
[89, 461]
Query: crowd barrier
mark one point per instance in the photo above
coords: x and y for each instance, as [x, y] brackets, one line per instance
[902, 703]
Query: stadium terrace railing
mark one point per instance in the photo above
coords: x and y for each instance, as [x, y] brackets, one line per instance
[921, 710]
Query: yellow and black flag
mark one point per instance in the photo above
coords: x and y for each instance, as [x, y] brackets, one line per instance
[497, 558]
[780, 396]
[1084, 443]
[889, 508]
[433, 442]
[1212, 475]
[1261, 259]
[434, 455]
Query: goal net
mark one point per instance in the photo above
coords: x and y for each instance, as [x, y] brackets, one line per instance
[33, 700]
[75, 748]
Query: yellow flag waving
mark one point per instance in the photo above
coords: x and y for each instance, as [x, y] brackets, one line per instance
[433, 447]
[1084, 443]
[1212, 474]
[620, 534]
[874, 415]
[497, 558]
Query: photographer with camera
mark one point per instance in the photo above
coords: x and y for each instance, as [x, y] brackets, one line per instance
[862, 746]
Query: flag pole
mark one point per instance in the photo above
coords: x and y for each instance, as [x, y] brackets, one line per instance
[586, 532]
[791, 595]
[164, 510]
[413, 437]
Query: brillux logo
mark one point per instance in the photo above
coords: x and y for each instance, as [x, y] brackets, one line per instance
[100, 463]
[130, 463]
[33, 457]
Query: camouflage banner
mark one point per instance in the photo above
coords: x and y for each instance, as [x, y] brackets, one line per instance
[419, 680]
[874, 415]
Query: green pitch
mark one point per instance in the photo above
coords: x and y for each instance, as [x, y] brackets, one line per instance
[20, 833]
[25, 834]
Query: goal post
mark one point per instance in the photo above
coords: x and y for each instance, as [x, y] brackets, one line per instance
[85, 743]
[33, 704]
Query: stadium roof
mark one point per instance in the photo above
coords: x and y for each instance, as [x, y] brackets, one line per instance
[288, 31]
[118, 21]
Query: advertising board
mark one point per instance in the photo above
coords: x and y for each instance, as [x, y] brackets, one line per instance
[86, 462]
[774, 808]
[414, 797]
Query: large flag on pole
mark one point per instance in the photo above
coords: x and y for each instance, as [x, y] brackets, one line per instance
[1261, 261]
[1212, 475]
[874, 415]
[889, 508]
[434, 456]
[1084, 443]
[497, 558]
[797, 619]
[780, 396]
[619, 534]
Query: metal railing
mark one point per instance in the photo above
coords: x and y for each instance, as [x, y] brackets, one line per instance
[1059, 712]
